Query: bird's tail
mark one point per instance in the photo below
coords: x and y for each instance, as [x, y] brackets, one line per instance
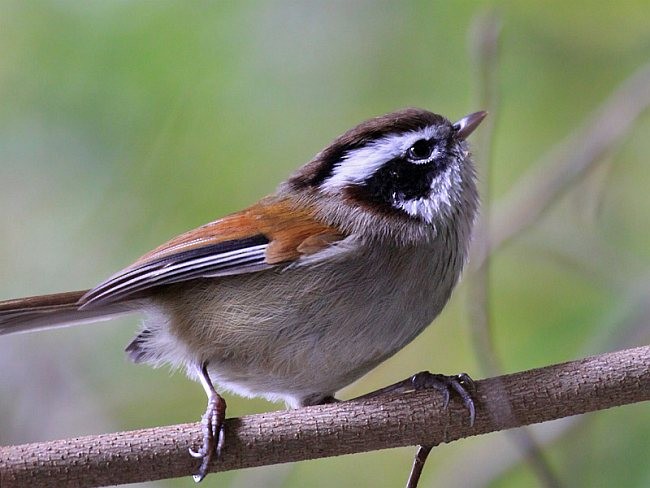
[52, 311]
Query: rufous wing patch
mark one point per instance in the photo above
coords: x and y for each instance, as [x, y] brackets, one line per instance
[318, 242]
[292, 231]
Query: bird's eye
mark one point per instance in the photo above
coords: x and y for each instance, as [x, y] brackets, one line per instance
[420, 151]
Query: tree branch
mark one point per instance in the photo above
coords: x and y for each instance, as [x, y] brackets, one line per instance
[503, 402]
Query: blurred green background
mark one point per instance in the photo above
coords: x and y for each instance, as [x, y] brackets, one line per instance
[125, 123]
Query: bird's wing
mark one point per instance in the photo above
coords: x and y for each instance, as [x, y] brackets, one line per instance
[268, 234]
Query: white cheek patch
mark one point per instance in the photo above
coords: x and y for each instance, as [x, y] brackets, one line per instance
[422, 208]
[360, 164]
[438, 201]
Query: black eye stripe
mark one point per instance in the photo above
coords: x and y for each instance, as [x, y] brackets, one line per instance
[400, 180]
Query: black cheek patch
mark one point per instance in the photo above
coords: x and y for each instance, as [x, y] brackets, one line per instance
[398, 180]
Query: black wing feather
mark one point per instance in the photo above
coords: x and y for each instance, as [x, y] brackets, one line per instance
[221, 259]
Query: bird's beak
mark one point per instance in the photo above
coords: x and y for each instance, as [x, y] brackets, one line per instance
[465, 126]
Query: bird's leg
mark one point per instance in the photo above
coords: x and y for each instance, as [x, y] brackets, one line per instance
[212, 423]
[460, 384]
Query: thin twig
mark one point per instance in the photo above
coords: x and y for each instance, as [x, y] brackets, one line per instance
[504, 402]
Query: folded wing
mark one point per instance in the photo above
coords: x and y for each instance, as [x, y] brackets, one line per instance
[261, 237]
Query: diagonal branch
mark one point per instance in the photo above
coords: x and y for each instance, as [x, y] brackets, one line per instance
[504, 402]
[563, 165]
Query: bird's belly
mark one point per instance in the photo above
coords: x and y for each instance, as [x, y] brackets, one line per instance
[296, 333]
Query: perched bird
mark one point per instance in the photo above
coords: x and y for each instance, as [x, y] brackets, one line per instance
[302, 293]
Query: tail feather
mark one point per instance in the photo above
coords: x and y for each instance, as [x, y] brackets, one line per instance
[52, 311]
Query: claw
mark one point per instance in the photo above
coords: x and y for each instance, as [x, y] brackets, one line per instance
[195, 454]
[220, 440]
[466, 388]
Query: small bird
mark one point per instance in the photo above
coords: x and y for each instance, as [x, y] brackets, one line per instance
[310, 288]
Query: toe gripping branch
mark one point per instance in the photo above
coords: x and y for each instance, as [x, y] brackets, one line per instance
[460, 384]
[212, 424]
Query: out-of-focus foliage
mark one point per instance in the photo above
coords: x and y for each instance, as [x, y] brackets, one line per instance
[124, 123]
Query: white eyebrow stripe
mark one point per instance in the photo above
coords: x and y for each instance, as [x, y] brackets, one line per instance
[359, 164]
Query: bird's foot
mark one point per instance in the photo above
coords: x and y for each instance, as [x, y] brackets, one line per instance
[213, 427]
[459, 384]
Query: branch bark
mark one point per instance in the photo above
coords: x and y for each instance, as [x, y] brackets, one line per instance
[503, 402]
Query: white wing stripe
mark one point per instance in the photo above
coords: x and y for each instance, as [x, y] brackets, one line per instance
[229, 262]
